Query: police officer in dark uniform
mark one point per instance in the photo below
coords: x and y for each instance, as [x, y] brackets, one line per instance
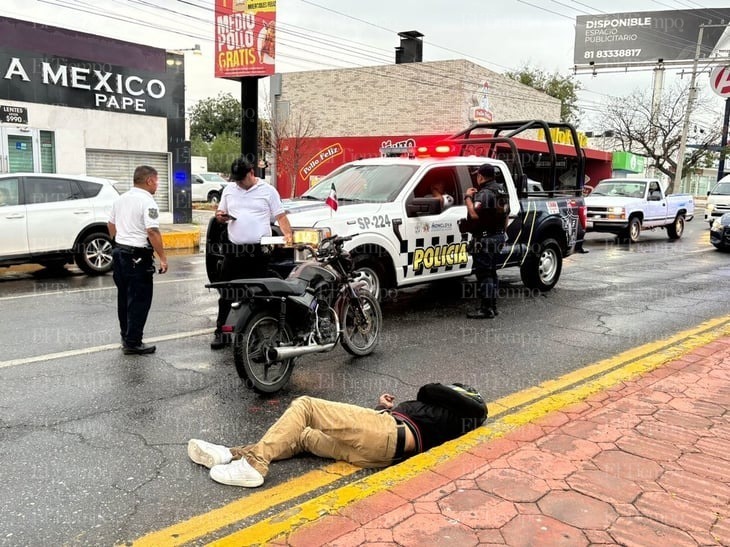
[488, 211]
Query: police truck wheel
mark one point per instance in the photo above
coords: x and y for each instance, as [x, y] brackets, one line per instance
[361, 324]
[214, 197]
[95, 254]
[676, 229]
[371, 272]
[542, 269]
[252, 356]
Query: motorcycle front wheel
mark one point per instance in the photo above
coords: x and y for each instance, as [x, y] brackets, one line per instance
[250, 351]
[361, 324]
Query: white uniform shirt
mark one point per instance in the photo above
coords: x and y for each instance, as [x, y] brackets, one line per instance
[132, 214]
[253, 208]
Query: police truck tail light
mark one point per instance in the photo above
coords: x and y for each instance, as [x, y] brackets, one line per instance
[583, 216]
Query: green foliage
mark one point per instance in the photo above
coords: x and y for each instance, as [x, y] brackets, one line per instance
[556, 85]
[222, 151]
[198, 147]
[214, 116]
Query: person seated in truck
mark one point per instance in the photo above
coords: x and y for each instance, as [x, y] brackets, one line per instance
[437, 191]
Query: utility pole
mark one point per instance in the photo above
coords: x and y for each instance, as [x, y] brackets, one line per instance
[690, 103]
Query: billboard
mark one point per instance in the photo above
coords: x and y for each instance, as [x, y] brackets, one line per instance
[245, 38]
[647, 36]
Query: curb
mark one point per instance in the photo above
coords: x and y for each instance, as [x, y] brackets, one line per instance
[183, 239]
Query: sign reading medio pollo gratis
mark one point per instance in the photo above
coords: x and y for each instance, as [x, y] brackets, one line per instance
[245, 38]
[618, 38]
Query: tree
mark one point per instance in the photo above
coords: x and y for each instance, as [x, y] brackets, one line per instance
[290, 142]
[214, 116]
[225, 148]
[658, 137]
[561, 87]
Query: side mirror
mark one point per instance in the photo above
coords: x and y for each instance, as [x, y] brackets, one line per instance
[708, 192]
[423, 206]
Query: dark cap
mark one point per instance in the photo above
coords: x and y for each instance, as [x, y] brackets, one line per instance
[486, 170]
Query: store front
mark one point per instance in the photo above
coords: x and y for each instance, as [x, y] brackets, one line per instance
[77, 103]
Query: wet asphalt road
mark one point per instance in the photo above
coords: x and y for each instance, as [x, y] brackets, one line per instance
[93, 442]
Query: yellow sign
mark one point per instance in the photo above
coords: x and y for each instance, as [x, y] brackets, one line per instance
[442, 255]
[563, 136]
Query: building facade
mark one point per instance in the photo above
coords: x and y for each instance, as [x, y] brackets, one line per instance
[76, 103]
[353, 113]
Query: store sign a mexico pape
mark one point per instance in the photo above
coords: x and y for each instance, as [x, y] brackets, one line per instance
[641, 36]
[245, 38]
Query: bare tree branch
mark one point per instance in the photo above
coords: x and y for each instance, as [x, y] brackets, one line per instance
[658, 138]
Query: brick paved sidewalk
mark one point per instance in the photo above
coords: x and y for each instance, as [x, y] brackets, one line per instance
[644, 463]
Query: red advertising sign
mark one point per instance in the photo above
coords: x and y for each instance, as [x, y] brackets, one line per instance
[245, 38]
[720, 81]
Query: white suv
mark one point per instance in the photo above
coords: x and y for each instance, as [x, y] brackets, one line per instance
[207, 187]
[54, 219]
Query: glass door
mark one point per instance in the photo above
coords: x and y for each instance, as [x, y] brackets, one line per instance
[19, 150]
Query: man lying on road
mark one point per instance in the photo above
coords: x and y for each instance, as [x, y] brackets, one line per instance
[361, 436]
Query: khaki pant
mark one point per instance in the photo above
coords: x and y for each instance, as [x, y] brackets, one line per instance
[360, 436]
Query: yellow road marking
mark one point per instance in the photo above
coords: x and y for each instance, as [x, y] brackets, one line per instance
[236, 511]
[535, 402]
[532, 403]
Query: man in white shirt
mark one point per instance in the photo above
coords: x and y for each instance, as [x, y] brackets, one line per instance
[247, 205]
[135, 227]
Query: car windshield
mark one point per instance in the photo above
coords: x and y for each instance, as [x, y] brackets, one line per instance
[722, 189]
[624, 188]
[364, 183]
[211, 177]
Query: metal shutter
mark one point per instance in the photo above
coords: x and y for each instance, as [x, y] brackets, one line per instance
[120, 165]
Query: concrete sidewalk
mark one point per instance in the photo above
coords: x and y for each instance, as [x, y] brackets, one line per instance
[643, 462]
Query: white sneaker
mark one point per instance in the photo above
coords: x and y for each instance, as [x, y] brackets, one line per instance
[237, 473]
[208, 454]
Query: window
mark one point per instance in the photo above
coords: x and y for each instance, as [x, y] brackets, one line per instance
[48, 152]
[8, 192]
[47, 190]
[88, 189]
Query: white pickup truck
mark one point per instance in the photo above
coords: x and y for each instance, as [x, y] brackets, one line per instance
[625, 207]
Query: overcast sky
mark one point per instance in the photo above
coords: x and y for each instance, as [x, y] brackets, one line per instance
[316, 34]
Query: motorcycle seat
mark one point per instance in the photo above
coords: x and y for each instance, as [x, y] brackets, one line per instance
[274, 286]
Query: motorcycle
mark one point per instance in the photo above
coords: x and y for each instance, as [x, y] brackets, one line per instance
[318, 305]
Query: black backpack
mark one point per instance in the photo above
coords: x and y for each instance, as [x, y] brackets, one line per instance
[464, 401]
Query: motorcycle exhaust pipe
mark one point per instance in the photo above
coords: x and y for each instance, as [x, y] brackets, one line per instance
[282, 354]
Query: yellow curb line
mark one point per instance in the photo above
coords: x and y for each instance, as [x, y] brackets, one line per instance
[181, 240]
[200, 525]
[535, 402]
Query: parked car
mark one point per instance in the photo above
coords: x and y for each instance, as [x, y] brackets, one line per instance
[54, 220]
[718, 200]
[207, 187]
[720, 232]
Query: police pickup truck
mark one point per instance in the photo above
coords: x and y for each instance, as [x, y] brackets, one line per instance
[405, 211]
[625, 207]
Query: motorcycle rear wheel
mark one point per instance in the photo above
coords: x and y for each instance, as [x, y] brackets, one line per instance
[361, 329]
[250, 347]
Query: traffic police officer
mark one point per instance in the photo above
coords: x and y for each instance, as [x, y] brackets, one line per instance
[247, 205]
[134, 225]
[488, 212]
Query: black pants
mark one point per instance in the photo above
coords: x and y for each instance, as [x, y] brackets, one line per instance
[486, 261]
[133, 277]
[239, 262]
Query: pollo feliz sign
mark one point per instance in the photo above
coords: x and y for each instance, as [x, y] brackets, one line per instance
[84, 84]
[245, 38]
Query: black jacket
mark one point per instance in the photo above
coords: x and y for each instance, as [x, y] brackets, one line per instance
[432, 425]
